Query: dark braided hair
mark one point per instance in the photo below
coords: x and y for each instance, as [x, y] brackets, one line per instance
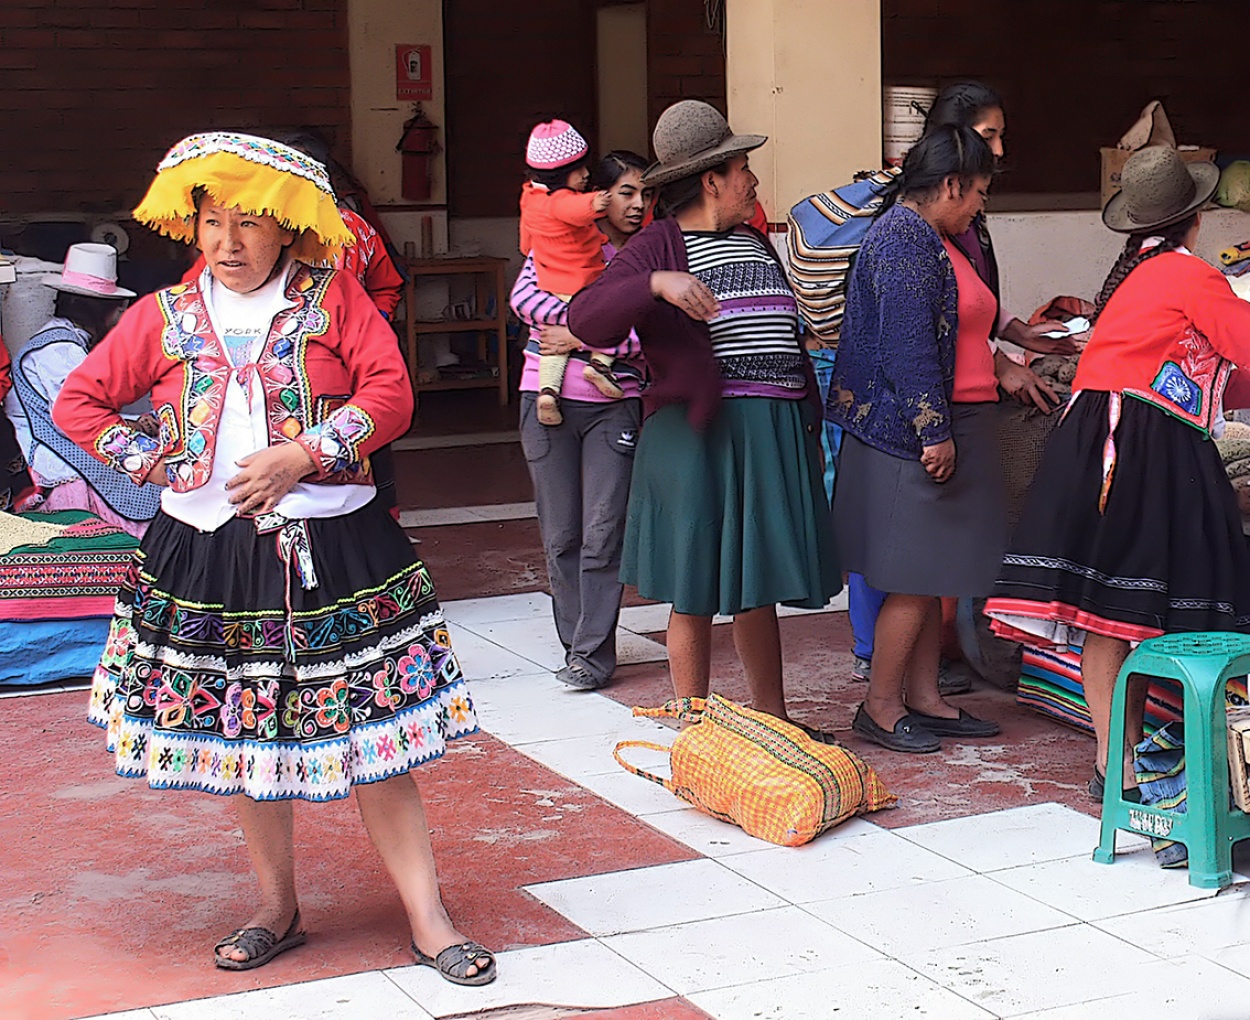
[1132, 256]
[946, 151]
[961, 104]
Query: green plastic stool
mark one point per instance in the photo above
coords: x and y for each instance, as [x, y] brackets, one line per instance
[1202, 664]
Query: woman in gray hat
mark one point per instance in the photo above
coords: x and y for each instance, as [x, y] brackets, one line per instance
[1131, 529]
[727, 512]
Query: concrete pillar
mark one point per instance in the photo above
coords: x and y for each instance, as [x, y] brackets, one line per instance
[807, 73]
[374, 28]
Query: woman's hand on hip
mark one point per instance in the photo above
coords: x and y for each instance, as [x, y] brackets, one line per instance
[939, 460]
[687, 292]
[267, 476]
[557, 340]
[159, 475]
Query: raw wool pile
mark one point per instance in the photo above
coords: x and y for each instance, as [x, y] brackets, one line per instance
[15, 531]
[1234, 447]
[1058, 370]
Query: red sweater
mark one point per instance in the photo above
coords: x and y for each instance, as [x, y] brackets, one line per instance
[1171, 334]
[558, 229]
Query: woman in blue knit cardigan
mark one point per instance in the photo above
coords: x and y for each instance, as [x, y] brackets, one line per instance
[919, 505]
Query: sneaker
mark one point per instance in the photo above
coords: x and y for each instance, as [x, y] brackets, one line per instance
[578, 676]
[954, 678]
[861, 671]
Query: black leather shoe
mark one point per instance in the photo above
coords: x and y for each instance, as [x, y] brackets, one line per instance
[909, 735]
[965, 726]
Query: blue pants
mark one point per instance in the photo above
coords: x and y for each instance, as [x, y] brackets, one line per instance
[865, 601]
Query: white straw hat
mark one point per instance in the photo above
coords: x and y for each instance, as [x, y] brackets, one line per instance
[89, 269]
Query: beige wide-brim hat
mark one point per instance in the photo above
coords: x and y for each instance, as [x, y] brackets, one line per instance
[690, 137]
[1157, 189]
[89, 269]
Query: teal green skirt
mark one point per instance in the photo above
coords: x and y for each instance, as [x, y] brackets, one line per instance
[734, 518]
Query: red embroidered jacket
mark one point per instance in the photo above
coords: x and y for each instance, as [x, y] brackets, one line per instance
[331, 372]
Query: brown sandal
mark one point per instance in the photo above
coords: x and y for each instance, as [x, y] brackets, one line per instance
[260, 944]
[453, 961]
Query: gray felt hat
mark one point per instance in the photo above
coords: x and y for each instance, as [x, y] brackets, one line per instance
[690, 137]
[1158, 188]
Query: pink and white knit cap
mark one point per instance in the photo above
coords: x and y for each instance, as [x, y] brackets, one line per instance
[553, 144]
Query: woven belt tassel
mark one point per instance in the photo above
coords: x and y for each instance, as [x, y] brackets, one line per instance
[1114, 406]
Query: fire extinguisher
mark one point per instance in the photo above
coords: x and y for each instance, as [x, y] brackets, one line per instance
[419, 145]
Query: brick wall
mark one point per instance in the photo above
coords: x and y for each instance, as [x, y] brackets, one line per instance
[92, 92]
[510, 66]
[1074, 74]
[685, 59]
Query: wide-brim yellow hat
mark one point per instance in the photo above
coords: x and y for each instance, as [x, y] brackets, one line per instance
[254, 175]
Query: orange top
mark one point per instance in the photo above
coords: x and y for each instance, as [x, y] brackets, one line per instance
[1170, 334]
[975, 381]
[558, 229]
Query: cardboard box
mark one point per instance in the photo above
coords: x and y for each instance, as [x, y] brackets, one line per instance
[1151, 128]
[1113, 161]
[1238, 739]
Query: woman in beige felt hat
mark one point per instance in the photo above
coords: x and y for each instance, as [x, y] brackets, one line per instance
[727, 510]
[1131, 529]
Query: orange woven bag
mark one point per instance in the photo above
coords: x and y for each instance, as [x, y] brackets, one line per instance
[765, 775]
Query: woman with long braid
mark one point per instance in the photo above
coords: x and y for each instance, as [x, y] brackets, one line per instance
[1131, 529]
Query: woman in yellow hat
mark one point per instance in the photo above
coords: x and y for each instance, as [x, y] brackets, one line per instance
[277, 637]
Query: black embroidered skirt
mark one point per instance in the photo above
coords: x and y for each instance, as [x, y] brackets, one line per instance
[224, 673]
[1164, 553]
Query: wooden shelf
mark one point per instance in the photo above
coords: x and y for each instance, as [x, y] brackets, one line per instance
[488, 285]
[485, 382]
[457, 326]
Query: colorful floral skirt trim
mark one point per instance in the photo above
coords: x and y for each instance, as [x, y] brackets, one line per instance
[221, 675]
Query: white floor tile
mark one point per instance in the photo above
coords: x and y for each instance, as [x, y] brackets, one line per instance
[130, 1014]
[632, 793]
[524, 606]
[339, 998]
[829, 868]
[484, 660]
[739, 950]
[1091, 891]
[710, 836]
[633, 648]
[1039, 970]
[583, 973]
[505, 511]
[650, 619]
[656, 897]
[884, 990]
[438, 518]
[519, 717]
[580, 758]
[956, 912]
[1189, 989]
[1200, 929]
[1011, 838]
[531, 638]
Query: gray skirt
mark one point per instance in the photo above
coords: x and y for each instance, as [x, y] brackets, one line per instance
[906, 533]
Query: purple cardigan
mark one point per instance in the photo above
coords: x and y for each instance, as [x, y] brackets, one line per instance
[678, 349]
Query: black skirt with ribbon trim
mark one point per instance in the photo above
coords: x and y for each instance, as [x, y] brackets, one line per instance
[278, 658]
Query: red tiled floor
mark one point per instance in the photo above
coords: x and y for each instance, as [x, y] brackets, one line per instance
[114, 893]
[1033, 760]
[462, 476]
[473, 561]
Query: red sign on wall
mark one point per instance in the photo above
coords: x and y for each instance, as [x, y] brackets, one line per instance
[414, 72]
